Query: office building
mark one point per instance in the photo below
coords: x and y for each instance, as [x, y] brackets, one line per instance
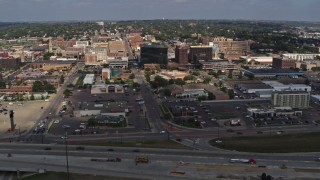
[293, 99]
[198, 53]
[284, 63]
[181, 54]
[154, 54]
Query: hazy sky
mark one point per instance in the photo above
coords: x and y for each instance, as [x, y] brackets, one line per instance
[52, 10]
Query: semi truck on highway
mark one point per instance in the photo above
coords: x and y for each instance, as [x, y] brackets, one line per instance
[249, 161]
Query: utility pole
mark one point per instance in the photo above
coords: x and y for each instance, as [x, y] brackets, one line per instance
[65, 137]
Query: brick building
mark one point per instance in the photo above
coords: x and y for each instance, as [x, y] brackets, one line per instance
[284, 63]
[181, 55]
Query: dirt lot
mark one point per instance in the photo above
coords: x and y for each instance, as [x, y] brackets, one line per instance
[26, 115]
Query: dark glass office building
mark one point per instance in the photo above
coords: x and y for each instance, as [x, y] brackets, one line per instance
[197, 53]
[154, 54]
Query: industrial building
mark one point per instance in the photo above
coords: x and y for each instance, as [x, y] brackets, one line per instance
[270, 73]
[293, 99]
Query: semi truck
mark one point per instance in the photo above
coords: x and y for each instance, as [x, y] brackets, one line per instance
[248, 161]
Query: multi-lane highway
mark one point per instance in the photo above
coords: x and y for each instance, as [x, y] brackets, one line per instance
[163, 162]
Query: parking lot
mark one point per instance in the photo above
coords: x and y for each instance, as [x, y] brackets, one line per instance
[135, 116]
[26, 114]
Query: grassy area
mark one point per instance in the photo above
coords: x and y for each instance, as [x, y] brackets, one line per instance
[62, 175]
[308, 142]
[146, 144]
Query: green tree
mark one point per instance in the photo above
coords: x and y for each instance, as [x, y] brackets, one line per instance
[211, 96]
[189, 78]
[230, 75]
[167, 92]
[106, 81]
[61, 79]
[37, 86]
[160, 82]
[92, 122]
[132, 76]
[171, 81]
[231, 94]
[2, 85]
[179, 81]
[202, 98]
[66, 93]
[32, 97]
[207, 80]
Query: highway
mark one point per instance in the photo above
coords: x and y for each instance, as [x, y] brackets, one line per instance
[162, 162]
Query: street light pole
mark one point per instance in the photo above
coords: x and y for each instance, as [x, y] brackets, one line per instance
[65, 137]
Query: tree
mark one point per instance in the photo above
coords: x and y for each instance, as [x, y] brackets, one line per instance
[61, 79]
[66, 93]
[189, 78]
[206, 80]
[37, 86]
[132, 76]
[231, 94]
[167, 92]
[202, 98]
[92, 122]
[180, 82]
[32, 97]
[230, 75]
[2, 85]
[220, 83]
[160, 82]
[106, 81]
[211, 96]
[240, 75]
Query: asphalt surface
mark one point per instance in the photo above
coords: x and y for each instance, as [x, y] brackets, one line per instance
[162, 161]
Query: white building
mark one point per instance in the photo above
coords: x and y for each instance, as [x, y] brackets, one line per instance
[300, 57]
[277, 86]
[259, 59]
[89, 79]
[82, 44]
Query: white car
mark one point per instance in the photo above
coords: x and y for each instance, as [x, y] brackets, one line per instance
[162, 132]
[56, 121]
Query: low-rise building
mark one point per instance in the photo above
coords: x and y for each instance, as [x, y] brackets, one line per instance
[107, 88]
[89, 79]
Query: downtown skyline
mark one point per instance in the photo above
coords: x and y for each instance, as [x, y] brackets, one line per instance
[84, 10]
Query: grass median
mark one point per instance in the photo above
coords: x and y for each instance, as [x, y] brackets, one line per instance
[62, 175]
[167, 144]
[288, 143]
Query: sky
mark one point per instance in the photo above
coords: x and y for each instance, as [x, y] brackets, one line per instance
[62, 10]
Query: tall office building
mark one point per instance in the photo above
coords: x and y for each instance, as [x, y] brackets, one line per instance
[154, 54]
[181, 54]
[198, 53]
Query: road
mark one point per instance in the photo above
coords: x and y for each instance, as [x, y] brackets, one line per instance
[151, 103]
[195, 164]
[55, 101]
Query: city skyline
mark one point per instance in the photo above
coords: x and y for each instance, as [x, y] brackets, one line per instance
[83, 10]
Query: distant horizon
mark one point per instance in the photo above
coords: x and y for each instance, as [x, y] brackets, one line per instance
[121, 10]
[123, 20]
